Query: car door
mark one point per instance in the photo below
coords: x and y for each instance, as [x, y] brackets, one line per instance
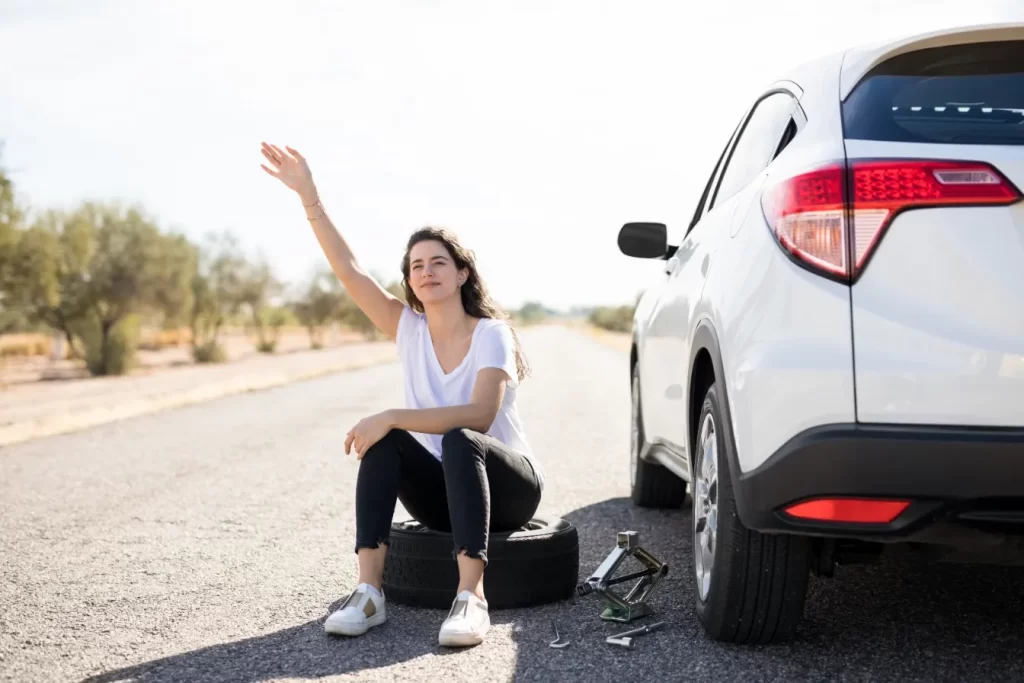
[657, 337]
[674, 317]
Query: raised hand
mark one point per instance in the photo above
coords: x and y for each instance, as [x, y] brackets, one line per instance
[290, 168]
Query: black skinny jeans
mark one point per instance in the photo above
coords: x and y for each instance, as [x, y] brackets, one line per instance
[479, 486]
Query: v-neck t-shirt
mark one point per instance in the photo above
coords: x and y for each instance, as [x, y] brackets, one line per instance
[428, 386]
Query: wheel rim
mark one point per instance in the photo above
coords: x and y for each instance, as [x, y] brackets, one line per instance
[634, 435]
[705, 506]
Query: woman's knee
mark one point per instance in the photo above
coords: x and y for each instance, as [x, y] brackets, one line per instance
[387, 444]
[458, 445]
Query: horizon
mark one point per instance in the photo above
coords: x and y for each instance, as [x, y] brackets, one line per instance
[534, 149]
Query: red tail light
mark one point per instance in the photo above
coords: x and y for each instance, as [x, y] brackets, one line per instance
[809, 213]
[849, 510]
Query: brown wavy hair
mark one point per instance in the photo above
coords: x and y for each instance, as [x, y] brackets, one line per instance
[475, 298]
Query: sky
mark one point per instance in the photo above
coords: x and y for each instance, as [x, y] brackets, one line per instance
[534, 130]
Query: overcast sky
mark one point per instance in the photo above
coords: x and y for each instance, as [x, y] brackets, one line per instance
[534, 130]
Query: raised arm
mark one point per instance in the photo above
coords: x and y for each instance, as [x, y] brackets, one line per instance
[379, 305]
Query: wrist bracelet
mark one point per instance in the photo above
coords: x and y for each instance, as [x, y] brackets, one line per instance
[313, 204]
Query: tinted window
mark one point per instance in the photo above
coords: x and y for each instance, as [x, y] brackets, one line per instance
[705, 195]
[757, 144]
[961, 94]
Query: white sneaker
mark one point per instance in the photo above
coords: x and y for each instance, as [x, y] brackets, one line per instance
[467, 622]
[363, 610]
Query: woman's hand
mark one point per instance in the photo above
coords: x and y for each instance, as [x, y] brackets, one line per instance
[290, 168]
[367, 432]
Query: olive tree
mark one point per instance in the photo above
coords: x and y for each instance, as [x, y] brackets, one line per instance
[92, 272]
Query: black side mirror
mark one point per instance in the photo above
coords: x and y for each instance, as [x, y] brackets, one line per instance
[644, 240]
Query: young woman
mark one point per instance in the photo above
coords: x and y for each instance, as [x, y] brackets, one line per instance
[456, 455]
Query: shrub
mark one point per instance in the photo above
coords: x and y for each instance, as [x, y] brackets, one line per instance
[613, 319]
[210, 352]
[112, 353]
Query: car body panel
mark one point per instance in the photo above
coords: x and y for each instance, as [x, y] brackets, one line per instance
[938, 314]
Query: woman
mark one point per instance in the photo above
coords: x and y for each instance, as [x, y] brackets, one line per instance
[456, 455]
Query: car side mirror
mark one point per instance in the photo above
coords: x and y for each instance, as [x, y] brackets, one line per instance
[644, 240]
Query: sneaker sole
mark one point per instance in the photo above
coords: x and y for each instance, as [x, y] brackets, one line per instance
[460, 639]
[348, 629]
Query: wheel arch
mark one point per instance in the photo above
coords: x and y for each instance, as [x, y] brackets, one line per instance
[706, 367]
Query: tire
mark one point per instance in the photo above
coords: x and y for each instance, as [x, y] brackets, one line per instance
[536, 565]
[653, 486]
[758, 582]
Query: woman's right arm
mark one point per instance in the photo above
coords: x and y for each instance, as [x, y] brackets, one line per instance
[380, 306]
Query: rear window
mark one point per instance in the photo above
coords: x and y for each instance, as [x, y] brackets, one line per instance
[959, 94]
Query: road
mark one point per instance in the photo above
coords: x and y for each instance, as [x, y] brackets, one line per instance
[208, 544]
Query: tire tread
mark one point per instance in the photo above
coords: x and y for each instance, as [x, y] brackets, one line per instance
[759, 585]
[524, 568]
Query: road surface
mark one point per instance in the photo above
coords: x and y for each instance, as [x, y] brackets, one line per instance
[209, 543]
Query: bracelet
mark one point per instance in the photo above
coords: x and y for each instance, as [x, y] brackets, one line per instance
[316, 218]
[313, 204]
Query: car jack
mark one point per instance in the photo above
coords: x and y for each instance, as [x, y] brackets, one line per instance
[634, 605]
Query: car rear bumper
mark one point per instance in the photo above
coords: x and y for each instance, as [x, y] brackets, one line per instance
[951, 476]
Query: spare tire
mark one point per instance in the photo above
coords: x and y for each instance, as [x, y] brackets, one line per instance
[534, 565]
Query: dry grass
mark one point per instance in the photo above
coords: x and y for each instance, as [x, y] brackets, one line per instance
[27, 358]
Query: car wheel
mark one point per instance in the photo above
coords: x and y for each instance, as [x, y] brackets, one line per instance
[652, 485]
[750, 587]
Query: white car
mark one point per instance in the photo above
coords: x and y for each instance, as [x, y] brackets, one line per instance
[832, 359]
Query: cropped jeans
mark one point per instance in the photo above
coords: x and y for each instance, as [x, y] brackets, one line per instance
[479, 485]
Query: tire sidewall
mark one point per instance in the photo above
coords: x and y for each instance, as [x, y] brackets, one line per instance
[527, 566]
[714, 606]
[635, 468]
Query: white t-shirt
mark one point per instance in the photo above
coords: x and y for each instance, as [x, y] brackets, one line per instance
[427, 386]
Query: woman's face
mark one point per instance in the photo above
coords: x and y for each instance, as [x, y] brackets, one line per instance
[432, 272]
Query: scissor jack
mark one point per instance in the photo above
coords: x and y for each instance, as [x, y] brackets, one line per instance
[634, 605]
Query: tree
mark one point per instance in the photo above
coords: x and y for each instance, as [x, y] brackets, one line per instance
[49, 278]
[11, 216]
[322, 303]
[531, 312]
[259, 287]
[218, 285]
[92, 272]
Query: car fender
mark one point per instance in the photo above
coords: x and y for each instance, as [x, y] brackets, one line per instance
[705, 337]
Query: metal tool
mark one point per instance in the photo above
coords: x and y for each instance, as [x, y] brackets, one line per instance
[640, 631]
[634, 604]
[625, 639]
[621, 642]
[557, 642]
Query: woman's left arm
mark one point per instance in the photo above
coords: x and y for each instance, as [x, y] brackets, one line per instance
[478, 414]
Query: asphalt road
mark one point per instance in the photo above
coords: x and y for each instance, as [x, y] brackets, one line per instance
[209, 543]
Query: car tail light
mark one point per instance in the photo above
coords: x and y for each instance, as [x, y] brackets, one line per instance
[810, 213]
[850, 510]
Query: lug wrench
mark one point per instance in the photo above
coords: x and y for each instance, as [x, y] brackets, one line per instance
[557, 642]
[625, 639]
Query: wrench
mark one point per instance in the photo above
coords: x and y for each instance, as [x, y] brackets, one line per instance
[640, 631]
[556, 643]
[621, 642]
[626, 639]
